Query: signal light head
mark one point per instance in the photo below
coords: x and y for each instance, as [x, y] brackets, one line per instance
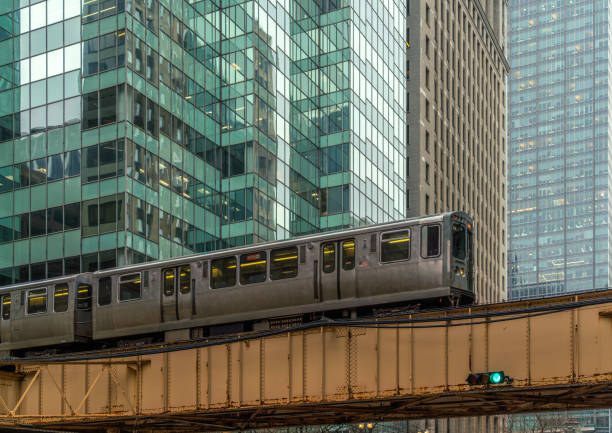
[490, 378]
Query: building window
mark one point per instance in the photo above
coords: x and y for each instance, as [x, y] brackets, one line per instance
[72, 216]
[55, 219]
[108, 109]
[90, 110]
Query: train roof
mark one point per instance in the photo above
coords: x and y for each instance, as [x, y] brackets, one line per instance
[336, 234]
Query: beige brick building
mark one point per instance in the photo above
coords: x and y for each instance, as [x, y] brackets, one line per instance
[456, 82]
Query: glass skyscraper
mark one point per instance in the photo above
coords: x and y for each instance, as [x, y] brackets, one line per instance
[134, 130]
[559, 147]
[559, 154]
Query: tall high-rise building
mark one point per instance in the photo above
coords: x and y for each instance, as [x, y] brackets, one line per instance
[132, 130]
[559, 154]
[559, 147]
[457, 123]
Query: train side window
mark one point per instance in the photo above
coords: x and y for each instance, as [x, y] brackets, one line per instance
[60, 298]
[395, 246]
[348, 255]
[83, 297]
[223, 272]
[253, 267]
[185, 279]
[329, 258]
[129, 287]
[284, 263]
[430, 241]
[105, 290]
[6, 307]
[168, 282]
[37, 301]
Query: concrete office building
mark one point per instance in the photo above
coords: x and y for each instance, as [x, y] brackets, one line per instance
[457, 123]
[456, 148]
[133, 130]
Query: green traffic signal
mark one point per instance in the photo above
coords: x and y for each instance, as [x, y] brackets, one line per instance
[496, 377]
[490, 378]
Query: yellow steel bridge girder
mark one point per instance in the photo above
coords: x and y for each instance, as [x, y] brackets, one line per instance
[559, 359]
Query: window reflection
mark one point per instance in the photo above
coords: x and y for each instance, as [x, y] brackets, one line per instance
[38, 221]
[90, 164]
[90, 110]
[38, 66]
[38, 119]
[152, 167]
[72, 163]
[72, 110]
[108, 109]
[22, 175]
[152, 223]
[55, 219]
[108, 159]
[6, 179]
[108, 214]
[55, 167]
[22, 226]
[38, 172]
[55, 115]
[72, 216]
[108, 52]
[164, 224]
[89, 220]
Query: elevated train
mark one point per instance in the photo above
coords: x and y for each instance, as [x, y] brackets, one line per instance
[335, 273]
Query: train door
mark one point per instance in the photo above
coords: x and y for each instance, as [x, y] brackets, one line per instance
[338, 270]
[82, 311]
[176, 293]
[5, 321]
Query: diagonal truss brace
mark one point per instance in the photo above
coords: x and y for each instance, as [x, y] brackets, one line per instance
[106, 366]
[11, 412]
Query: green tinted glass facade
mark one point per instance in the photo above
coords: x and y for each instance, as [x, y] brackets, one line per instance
[559, 147]
[135, 130]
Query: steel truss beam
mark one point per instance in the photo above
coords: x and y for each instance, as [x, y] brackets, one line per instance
[558, 351]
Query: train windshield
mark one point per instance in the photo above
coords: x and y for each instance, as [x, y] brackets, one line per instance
[459, 241]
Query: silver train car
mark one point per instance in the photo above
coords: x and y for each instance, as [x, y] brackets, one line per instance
[342, 273]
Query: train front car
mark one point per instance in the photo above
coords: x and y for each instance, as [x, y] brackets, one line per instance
[460, 253]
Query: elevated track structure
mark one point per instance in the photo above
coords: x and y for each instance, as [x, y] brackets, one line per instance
[557, 350]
